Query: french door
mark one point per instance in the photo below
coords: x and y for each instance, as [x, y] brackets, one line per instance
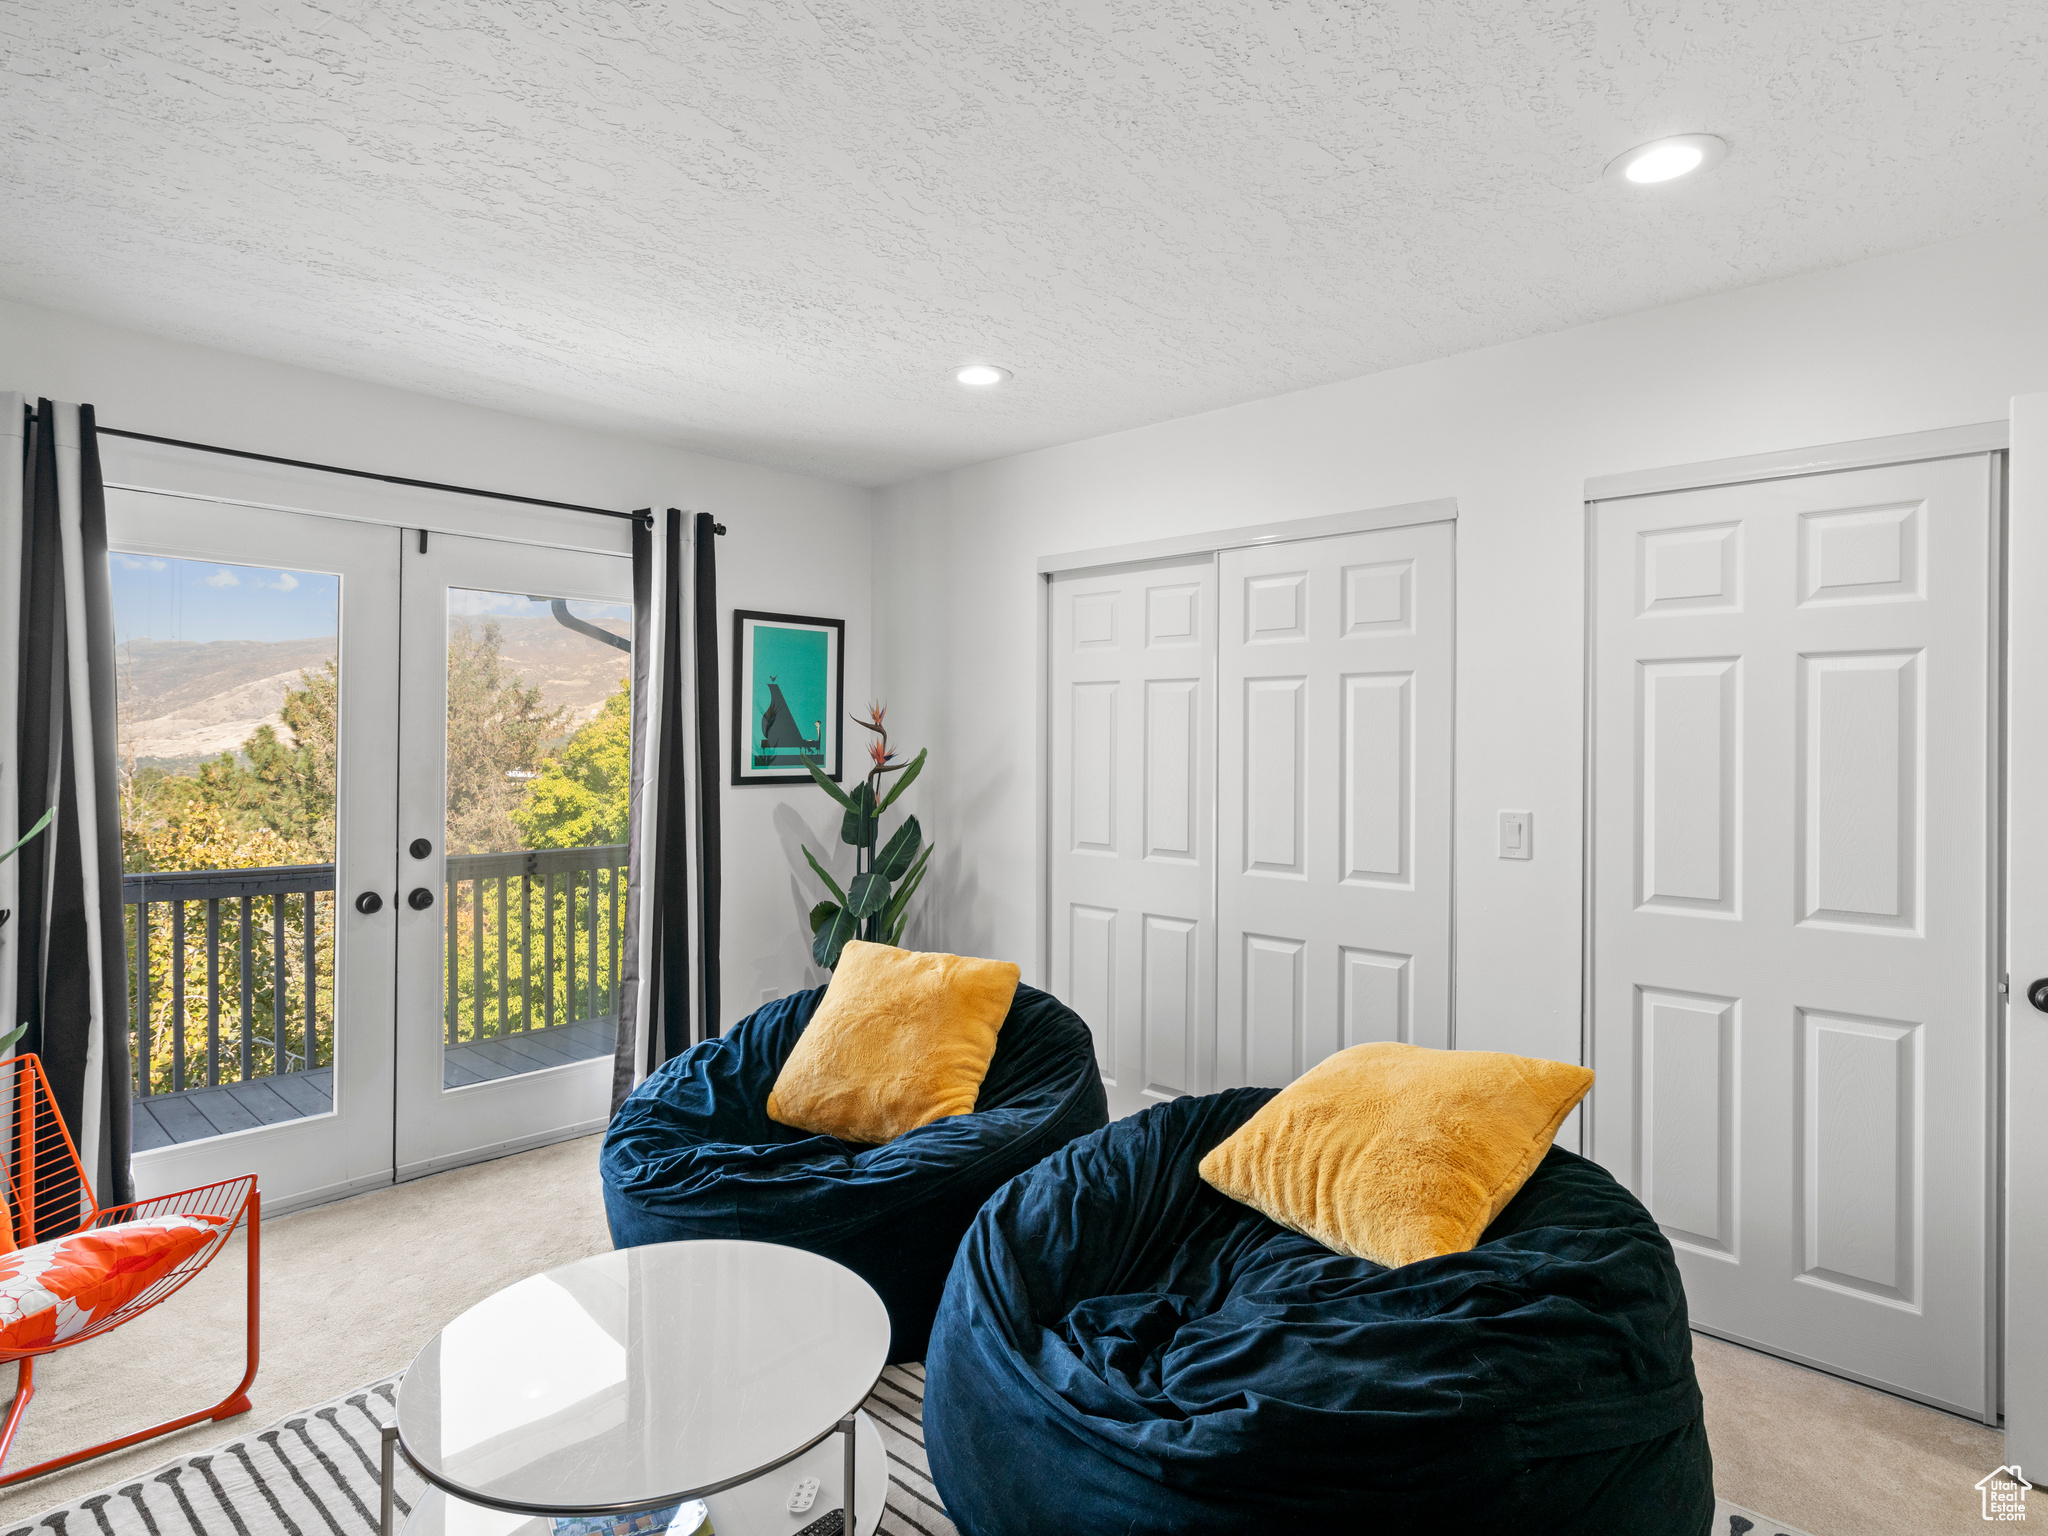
[373, 817]
[511, 883]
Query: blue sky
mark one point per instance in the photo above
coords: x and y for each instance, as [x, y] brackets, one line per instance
[165, 599]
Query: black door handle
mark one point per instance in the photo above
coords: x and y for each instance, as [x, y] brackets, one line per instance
[421, 848]
[2037, 993]
[369, 902]
[420, 899]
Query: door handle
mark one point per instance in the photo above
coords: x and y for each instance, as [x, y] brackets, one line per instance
[420, 899]
[369, 902]
[2037, 993]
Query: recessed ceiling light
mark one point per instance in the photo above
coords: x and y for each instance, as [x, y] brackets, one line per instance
[1663, 160]
[981, 375]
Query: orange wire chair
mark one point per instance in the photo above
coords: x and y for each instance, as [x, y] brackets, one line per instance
[49, 1196]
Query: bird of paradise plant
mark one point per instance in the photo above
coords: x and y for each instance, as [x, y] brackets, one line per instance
[875, 903]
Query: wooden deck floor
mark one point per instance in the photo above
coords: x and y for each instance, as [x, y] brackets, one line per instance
[166, 1119]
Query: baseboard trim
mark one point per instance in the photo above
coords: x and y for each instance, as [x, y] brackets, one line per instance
[407, 1172]
[1841, 1375]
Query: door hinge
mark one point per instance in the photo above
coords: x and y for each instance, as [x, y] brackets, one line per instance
[2005, 986]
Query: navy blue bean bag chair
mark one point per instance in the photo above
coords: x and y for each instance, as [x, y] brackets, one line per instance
[1123, 1349]
[692, 1153]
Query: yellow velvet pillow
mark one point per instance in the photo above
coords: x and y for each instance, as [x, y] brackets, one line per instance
[901, 1039]
[1396, 1153]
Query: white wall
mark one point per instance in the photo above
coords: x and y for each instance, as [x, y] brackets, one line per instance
[794, 544]
[1931, 338]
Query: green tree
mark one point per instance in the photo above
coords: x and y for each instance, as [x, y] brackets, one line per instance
[498, 735]
[579, 800]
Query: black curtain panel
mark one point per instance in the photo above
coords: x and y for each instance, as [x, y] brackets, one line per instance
[66, 949]
[655, 1008]
[709, 838]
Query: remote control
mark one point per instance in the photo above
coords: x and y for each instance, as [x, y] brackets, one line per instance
[803, 1496]
[828, 1525]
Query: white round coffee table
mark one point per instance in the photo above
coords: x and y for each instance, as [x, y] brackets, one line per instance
[645, 1378]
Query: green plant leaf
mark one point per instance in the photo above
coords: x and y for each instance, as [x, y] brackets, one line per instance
[898, 916]
[825, 783]
[909, 777]
[820, 912]
[832, 938]
[892, 914]
[900, 851]
[869, 894]
[858, 825]
[10, 853]
[830, 884]
[7, 1040]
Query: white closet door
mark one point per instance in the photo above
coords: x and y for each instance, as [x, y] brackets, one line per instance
[1794, 700]
[1334, 799]
[1133, 749]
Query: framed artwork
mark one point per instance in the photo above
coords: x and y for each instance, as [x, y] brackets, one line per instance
[788, 675]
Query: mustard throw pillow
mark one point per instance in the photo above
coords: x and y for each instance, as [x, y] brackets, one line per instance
[1396, 1153]
[901, 1039]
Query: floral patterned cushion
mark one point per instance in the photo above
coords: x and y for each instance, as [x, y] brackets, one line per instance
[57, 1290]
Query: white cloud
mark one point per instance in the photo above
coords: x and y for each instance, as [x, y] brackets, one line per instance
[130, 563]
[223, 578]
[287, 582]
[466, 603]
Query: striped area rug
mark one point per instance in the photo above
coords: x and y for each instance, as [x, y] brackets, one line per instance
[315, 1473]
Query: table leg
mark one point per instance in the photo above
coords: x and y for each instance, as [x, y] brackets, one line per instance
[849, 1427]
[386, 1489]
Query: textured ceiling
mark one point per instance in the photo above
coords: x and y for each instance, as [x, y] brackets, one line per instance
[771, 230]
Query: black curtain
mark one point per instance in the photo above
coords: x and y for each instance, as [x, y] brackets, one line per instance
[709, 839]
[658, 959]
[69, 952]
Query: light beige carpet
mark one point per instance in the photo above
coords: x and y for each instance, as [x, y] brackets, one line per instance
[352, 1290]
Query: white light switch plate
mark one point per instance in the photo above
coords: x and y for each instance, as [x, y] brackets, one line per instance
[1517, 828]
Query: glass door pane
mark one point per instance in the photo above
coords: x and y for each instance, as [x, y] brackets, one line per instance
[538, 748]
[227, 679]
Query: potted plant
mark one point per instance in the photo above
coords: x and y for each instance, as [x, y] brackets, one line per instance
[875, 903]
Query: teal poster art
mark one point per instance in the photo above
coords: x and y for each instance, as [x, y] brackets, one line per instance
[788, 676]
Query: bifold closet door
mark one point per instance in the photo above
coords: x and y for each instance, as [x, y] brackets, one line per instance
[1795, 705]
[1132, 762]
[1334, 798]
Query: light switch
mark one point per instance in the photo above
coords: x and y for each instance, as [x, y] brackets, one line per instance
[1516, 828]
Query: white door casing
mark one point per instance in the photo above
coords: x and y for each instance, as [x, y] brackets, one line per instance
[1794, 692]
[322, 1157]
[1334, 711]
[2026, 915]
[1131, 757]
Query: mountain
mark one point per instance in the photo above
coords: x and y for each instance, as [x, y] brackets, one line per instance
[184, 700]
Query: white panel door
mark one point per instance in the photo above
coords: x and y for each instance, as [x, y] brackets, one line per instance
[1132, 755]
[1334, 799]
[1794, 699]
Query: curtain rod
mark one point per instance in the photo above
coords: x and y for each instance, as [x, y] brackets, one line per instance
[364, 474]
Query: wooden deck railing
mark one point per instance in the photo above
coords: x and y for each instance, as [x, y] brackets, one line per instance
[532, 940]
